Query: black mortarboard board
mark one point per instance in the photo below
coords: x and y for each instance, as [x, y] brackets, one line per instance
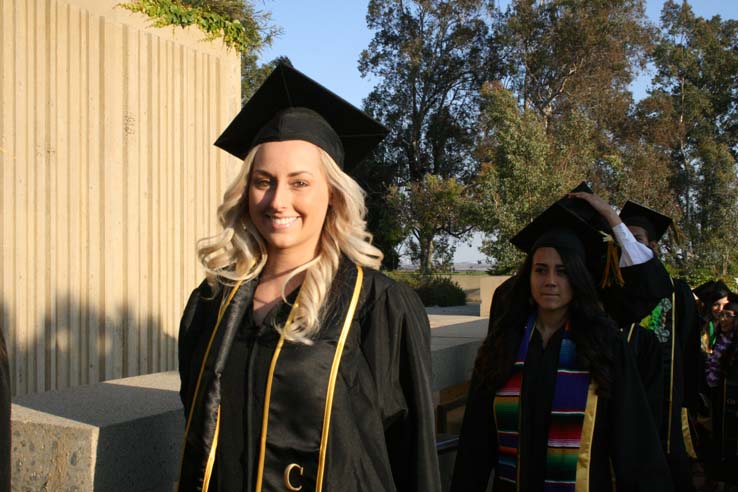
[584, 210]
[711, 291]
[655, 223]
[559, 227]
[702, 290]
[291, 106]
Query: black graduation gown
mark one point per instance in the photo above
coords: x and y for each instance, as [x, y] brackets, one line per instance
[499, 299]
[647, 351]
[676, 390]
[382, 426]
[722, 451]
[644, 286]
[4, 417]
[687, 371]
[624, 432]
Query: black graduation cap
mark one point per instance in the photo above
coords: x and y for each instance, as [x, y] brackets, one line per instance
[702, 290]
[711, 291]
[558, 226]
[291, 106]
[584, 210]
[655, 223]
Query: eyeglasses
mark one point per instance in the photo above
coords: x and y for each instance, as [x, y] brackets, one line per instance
[726, 315]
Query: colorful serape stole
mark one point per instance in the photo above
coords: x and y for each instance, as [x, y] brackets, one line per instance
[573, 411]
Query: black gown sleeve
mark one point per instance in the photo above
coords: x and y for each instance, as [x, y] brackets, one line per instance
[477, 452]
[635, 448]
[498, 300]
[644, 286]
[4, 417]
[199, 315]
[397, 347]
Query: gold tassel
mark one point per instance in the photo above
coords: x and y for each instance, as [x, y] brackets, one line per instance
[612, 266]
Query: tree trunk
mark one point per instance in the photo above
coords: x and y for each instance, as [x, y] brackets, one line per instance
[426, 254]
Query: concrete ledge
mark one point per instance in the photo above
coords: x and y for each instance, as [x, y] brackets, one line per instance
[126, 435]
[454, 348]
[122, 435]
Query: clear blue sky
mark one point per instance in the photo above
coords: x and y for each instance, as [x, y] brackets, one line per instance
[325, 38]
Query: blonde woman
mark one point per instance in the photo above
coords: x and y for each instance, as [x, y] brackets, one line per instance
[303, 368]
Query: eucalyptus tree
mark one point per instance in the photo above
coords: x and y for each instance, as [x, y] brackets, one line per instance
[429, 59]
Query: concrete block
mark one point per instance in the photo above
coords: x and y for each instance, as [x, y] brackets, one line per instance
[126, 434]
[122, 435]
[453, 351]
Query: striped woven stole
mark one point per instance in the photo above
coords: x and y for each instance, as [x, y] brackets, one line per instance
[573, 398]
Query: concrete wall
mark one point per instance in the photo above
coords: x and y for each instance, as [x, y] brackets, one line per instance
[108, 177]
[487, 288]
[480, 288]
[470, 284]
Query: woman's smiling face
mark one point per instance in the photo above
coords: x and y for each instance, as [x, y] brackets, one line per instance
[289, 196]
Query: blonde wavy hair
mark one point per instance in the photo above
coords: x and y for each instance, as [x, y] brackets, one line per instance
[239, 252]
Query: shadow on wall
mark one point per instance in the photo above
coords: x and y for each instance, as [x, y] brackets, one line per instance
[76, 344]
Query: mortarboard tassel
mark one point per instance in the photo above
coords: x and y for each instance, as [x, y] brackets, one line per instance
[612, 266]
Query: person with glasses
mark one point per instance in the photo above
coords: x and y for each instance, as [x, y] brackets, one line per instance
[722, 378]
[712, 297]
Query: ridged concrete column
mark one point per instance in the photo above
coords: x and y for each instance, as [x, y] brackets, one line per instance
[108, 176]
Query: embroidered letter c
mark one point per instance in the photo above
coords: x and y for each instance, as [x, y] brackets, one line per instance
[287, 482]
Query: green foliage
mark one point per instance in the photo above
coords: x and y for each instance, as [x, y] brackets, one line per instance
[239, 25]
[431, 211]
[525, 171]
[429, 58]
[562, 55]
[428, 55]
[566, 114]
[433, 290]
[691, 121]
[440, 291]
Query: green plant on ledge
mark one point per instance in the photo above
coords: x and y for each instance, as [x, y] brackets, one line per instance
[433, 290]
[240, 26]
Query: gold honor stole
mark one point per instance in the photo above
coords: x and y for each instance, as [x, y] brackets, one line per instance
[292, 471]
[573, 414]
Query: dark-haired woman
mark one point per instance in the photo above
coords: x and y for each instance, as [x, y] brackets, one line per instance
[722, 378]
[556, 400]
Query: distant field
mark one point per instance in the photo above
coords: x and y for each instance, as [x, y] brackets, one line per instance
[459, 269]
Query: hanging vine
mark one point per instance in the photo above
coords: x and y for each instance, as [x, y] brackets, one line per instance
[239, 25]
